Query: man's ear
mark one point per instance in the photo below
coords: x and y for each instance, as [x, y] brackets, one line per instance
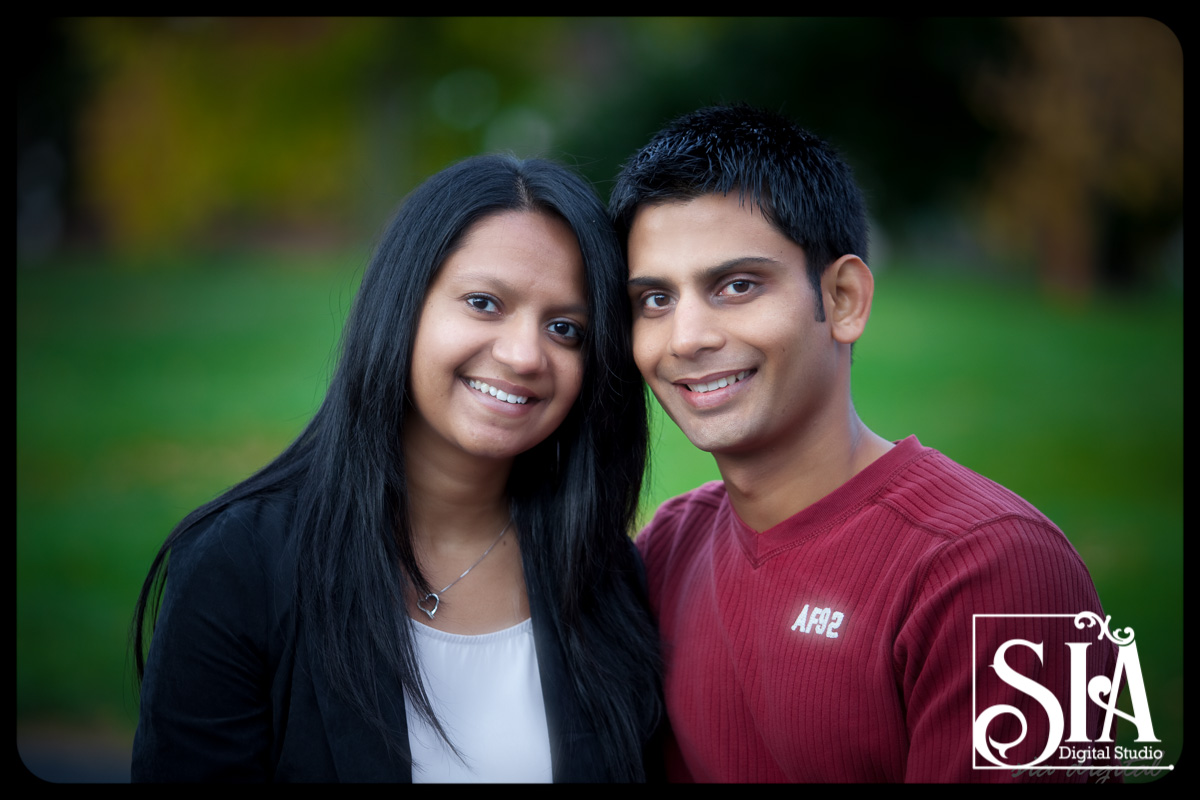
[849, 288]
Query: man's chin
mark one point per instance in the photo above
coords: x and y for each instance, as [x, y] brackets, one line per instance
[710, 441]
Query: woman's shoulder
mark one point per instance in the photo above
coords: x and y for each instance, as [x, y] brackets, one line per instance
[249, 534]
[233, 570]
[223, 633]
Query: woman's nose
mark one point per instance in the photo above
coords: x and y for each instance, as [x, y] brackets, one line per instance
[520, 347]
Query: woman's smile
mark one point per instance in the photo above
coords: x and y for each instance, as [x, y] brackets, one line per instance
[511, 394]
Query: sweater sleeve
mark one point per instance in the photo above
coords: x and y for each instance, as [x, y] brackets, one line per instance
[205, 710]
[943, 655]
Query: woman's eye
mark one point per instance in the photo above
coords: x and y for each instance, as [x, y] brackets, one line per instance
[481, 302]
[566, 330]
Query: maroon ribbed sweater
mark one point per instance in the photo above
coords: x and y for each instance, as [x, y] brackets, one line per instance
[875, 683]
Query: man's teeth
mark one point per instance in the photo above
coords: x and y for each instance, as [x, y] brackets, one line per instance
[516, 399]
[719, 383]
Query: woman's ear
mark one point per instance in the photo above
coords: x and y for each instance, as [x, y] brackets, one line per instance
[849, 287]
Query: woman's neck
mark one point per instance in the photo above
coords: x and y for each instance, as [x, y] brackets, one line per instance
[454, 498]
[458, 508]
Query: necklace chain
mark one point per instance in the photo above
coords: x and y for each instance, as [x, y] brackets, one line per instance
[436, 596]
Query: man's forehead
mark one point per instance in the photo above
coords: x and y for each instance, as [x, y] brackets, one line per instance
[704, 230]
[716, 203]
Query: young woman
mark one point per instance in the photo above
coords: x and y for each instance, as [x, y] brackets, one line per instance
[434, 581]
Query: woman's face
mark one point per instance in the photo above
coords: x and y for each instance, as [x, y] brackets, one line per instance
[497, 362]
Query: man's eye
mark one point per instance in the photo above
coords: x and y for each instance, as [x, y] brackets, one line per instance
[656, 300]
[738, 287]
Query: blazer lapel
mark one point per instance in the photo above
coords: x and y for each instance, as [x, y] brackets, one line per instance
[574, 748]
[360, 754]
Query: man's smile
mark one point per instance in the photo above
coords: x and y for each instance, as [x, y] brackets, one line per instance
[712, 384]
[713, 390]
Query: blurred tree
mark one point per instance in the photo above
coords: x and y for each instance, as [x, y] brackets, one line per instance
[1090, 175]
[240, 129]
[49, 93]
[890, 93]
[204, 130]
[210, 127]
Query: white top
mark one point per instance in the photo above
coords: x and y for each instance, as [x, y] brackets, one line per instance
[487, 693]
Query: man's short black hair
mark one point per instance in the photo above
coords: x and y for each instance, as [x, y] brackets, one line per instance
[798, 181]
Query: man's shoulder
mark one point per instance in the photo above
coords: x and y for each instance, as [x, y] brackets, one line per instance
[705, 496]
[940, 494]
[682, 514]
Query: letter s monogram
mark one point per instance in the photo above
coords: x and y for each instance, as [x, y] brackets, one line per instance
[1040, 693]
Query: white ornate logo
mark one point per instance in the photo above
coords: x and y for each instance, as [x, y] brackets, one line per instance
[1020, 669]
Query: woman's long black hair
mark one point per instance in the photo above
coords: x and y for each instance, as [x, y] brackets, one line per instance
[573, 496]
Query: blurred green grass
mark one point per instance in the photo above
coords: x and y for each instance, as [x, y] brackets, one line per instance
[143, 392]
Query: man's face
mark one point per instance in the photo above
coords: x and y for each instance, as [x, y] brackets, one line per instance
[724, 327]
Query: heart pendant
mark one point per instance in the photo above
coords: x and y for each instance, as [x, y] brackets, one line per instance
[436, 602]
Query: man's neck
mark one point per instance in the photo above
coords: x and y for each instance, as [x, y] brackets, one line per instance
[772, 484]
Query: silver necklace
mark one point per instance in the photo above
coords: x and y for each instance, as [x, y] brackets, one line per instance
[436, 596]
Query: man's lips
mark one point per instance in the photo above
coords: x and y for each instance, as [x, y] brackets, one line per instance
[713, 390]
[711, 383]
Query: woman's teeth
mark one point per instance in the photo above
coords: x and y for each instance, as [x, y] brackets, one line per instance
[719, 383]
[516, 399]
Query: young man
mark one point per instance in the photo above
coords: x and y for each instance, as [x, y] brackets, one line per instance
[817, 605]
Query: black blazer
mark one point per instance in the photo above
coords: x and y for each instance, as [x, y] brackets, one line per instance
[232, 691]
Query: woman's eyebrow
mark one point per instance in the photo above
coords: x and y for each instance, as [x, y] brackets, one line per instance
[495, 283]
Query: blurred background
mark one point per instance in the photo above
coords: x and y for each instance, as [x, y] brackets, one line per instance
[197, 198]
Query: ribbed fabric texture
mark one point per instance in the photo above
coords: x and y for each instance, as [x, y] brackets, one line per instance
[837, 646]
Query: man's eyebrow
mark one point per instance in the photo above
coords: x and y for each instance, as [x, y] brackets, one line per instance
[709, 273]
[649, 281]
